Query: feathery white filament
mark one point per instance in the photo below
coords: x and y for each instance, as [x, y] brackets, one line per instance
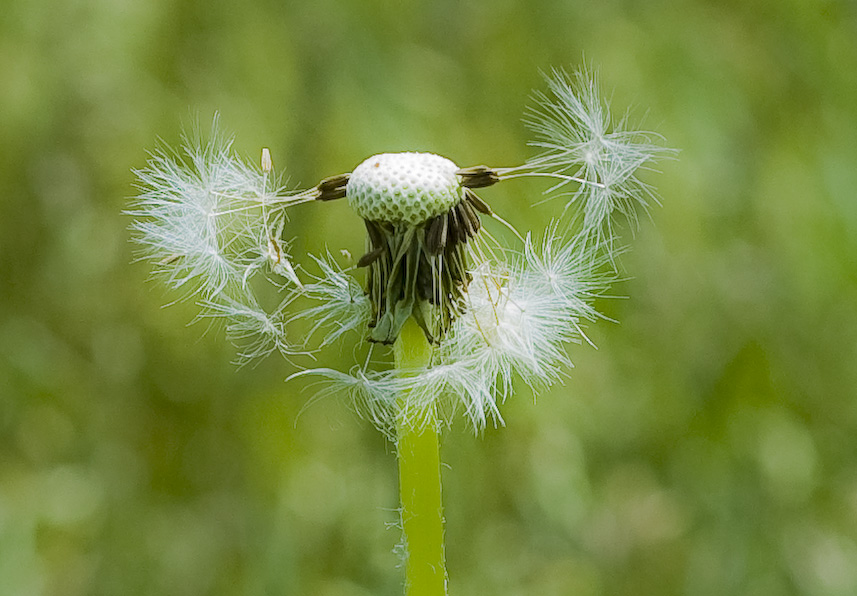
[582, 142]
[341, 305]
[210, 222]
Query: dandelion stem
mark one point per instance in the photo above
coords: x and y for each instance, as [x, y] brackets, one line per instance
[419, 477]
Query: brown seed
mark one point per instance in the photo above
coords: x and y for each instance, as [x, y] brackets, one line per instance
[332, 188]
[436, 233]
[478, 176]
[370, 257]
[480, 205]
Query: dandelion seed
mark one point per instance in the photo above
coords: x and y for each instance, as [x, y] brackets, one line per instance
[256, 331]
[341, 304]
[372, 394]
[582, 142]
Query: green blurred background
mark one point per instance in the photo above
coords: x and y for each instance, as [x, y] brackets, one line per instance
[708, 447]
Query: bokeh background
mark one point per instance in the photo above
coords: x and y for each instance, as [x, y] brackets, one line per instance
[707, 447]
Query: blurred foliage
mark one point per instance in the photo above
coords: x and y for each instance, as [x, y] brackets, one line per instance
[708, 447]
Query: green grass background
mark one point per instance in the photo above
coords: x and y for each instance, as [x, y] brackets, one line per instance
[708, 447]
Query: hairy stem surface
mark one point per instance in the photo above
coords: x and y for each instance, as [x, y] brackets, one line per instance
[418, 450]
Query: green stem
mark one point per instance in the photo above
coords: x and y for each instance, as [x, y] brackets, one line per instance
[418, 450]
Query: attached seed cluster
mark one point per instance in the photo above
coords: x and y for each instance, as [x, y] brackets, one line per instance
[420, 212]
[404, 187]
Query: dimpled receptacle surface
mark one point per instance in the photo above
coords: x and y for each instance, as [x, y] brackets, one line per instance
[403, 187]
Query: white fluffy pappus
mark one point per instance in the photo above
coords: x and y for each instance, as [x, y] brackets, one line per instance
[209, 223]
[340, 303]
[253, 330]
[582, 142]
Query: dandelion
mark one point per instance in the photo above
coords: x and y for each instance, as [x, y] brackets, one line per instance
[448, 314]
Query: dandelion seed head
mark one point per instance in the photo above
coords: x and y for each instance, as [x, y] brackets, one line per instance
[404, 187]
[420, 220]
